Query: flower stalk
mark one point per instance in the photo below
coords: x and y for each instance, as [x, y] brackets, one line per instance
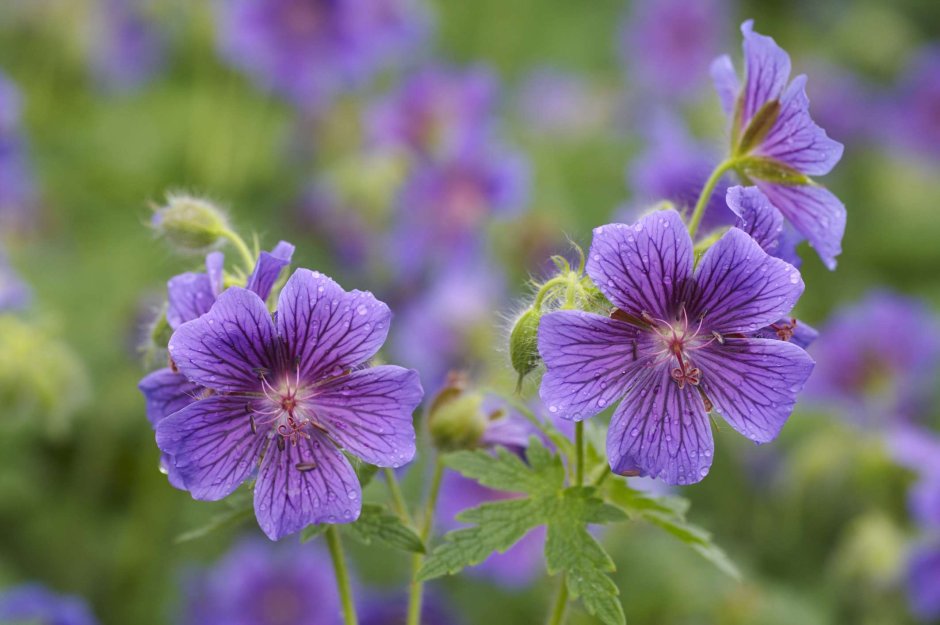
[342, 576]
[416, 594]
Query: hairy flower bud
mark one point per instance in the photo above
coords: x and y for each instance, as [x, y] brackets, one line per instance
[523, 343]
[456, 418]
[189, 223]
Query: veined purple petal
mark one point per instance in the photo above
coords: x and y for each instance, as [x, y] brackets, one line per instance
[660, 430]
[230, 347]
[212, 445]
[590, 361]
[766, 71]
[268, 268]
[215, 263]
[726, 83]
[739, 288]
[165, 392]
[756, 216]
[753, 383]
[287, 499]
[369, 413]
[815, 212]
[796, 140]
[189, 297]
[325, 329]
[641, 267]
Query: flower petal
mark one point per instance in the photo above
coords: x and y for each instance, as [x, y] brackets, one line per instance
[590, 360]
[740, 288]
[756, 216]
[228, 348]
[640, 268]
[215, 269]
[661, 431]
[165, 392]
[816, 214]
[766, 71]
[212, 445]
[753, 383]
[268, 268]
[327, 330]
[726, 83]
[369, 413]
[288, 499]
[796, 140]
[189, 296]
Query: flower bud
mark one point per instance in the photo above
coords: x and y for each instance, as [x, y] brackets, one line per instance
[456, 418]
[523, 343]
[189, 223]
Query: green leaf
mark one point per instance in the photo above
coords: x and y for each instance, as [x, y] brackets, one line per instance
[233, 516]
[770, 170]
[365, 472]
[377, 524]
[507, 472]
[312, 531]
[668, 513]
[496, 526]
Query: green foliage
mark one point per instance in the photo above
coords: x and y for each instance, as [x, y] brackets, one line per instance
[377, 524]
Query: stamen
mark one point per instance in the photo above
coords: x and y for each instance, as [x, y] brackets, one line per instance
[305, 466]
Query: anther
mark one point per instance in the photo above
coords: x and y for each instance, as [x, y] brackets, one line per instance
[305, 466]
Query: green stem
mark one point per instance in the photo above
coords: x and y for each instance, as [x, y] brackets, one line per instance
[706, 195]
[579, 453]
[416, 593]
[398, 500]
[242, 247]
[342, 576]
[560, 609]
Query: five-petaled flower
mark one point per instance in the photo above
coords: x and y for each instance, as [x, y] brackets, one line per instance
[775, 143]
[293, 392]
[678, 344]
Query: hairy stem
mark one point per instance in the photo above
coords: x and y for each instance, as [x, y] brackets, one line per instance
[706, 195]
[416, 593]
[579, 453]
[342, 576]
[398, 500]
[247, 257]
[560, 609]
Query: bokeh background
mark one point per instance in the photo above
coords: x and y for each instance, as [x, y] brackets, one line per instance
[575, 112]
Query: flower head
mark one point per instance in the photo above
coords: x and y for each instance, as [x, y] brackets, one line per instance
[878, 360]
[261, 584]
[777, 145]
[678, 344]
[33, 603]
[293, 391]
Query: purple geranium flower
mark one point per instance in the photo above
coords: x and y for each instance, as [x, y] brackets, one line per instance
[263, 584]
[436, 110]
[919, 450]
[916, 123]
[676, 346]
[872, 366]
[923, 580]
[189, 296]
[32, 603]
[667, 44]
[127, 47]
[292, 391]
[777, 145]
[308, 50]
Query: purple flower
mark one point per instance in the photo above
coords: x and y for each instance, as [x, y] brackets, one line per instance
[127, 48]
[675, 347]
[667, 44]
[309, 50]
[36, 604]
[561, 104]
[379, 610]
[14, 294]
[777, 145]
[294, 391]
[915, 116]
[17, 191]
[878, 360]
[754, 214]
[258, 583]
[189, 296]
[919, 450]
[923, 581]
[436, 110]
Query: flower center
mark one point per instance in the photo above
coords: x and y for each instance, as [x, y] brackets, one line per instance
[283, 409]
[677, 340]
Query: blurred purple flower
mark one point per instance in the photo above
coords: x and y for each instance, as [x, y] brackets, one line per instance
[127, 47]
[257, 583]
[923, 581]
[772, 130]
[378, 610]
[293, 391]
[676, 347]
[436, 111]
[17, 190]
[916, 107]
[309, 50]
[668, 44]
[14, 294]
[877, 360]
[337, 225]
[35, 604]
[919, 450]
[561, 104]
